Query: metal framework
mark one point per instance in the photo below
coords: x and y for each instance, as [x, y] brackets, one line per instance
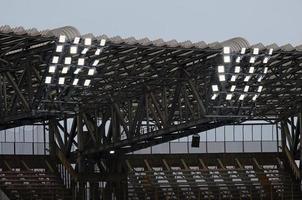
[144, 93]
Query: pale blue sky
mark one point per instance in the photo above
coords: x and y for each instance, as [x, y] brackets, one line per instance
[264, 21]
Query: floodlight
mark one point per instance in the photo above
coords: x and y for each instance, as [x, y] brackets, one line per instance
[270, 51]
[237, 69]
[77, 70]
[65, 70]
[67, 60]
[243, 50]
[226, 50]
[75, 81]
[265, 60]
[215, 88]
[59, 48]
[247, 78]
[252, 59]
[260, 88]
[61, 80]
[233, 87]
[214, 96]
[87, 41]
[81, 61]
[95, 63]
[48, 79]
[97, 52]
[246, 88]
[91, 71]
[233, 78]
[103, 42]
[227, 59]
[255, 97]
[251, 70]
[260, 79]
[111, 151]
[52, 69]
[220, 69]
[221, 77]
[265, 70]
[55, 59]
[76, 40]
[256, 51]
[87, 82]
[73, 49]
[238, 59]
[229, 96]
[62, 38]
[241, 97]
[84, 51]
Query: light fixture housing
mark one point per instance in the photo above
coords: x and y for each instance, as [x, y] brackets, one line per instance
[247, 78]
[265, 60]
[214, 96]
[270, 52]
[256, 51]
[87, 41]
[59, 48]
[227, 59]
[233, 78]
[260, 88]
[76, 40]
[98, 51]
[91, 71]
[65, 69]
[229, 96]
[52, 68]
[220, 69]
[238, 59]
[81, 61]
[255, 97]
[252, 59]
[62, 38]
[55, 59]
[73, 50]
[95, 62]
[233, 87]
[241, 97]
[246, 88]
[243, 50]
[61, 80]
[251, 70]
[222, 77]
[237, 69]
[103, 42]
[84, 51]
[226, 50]
[67, 60]
[87, 82]
[48, 79]
[77, 70]
[215, 88]
[265, 70]
[75, 81]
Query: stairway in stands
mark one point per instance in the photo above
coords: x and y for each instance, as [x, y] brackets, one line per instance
[31, 178]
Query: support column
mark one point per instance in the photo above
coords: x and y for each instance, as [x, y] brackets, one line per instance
[80, 159]
[300, 129]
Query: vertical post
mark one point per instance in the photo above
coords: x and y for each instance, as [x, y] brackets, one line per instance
[300, 129]
[80, 160]
[51, 138]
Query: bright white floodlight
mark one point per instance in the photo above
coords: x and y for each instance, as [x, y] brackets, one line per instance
[77, 71]
[215, 88]
[76, 40]
[214, 96]
[221, 77]
[260, 88]
[229, 96]
[241, 97]
[65, 70]
[270, 51]
[67, 60]
[233, 78]
[75, 81]
[256, 51]
[52, 69]
[81, 61]
[61, 80]
[237, 69]
[252, 59]
[265, 60]
[246, 88]
[226, 50]
[238, 59]
[227, 59]
[233, 87]
[91, 71]
[103, 42]
[62, 38]
[97, 52]
[111, 151]
[220, 69]
[59, 48]
[87, 41]
[95, 63]
[87, 82]
[84, 51]
[55, 59]
[260, 78]
[265, 70]
[255, 97]
[73, 49]
[243, 50]
[48, 79]
[247, 78]
[251, 70]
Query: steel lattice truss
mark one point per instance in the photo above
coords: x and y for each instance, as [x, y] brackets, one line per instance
[148, 94]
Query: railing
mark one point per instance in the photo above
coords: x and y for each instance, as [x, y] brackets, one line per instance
[24, 148]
